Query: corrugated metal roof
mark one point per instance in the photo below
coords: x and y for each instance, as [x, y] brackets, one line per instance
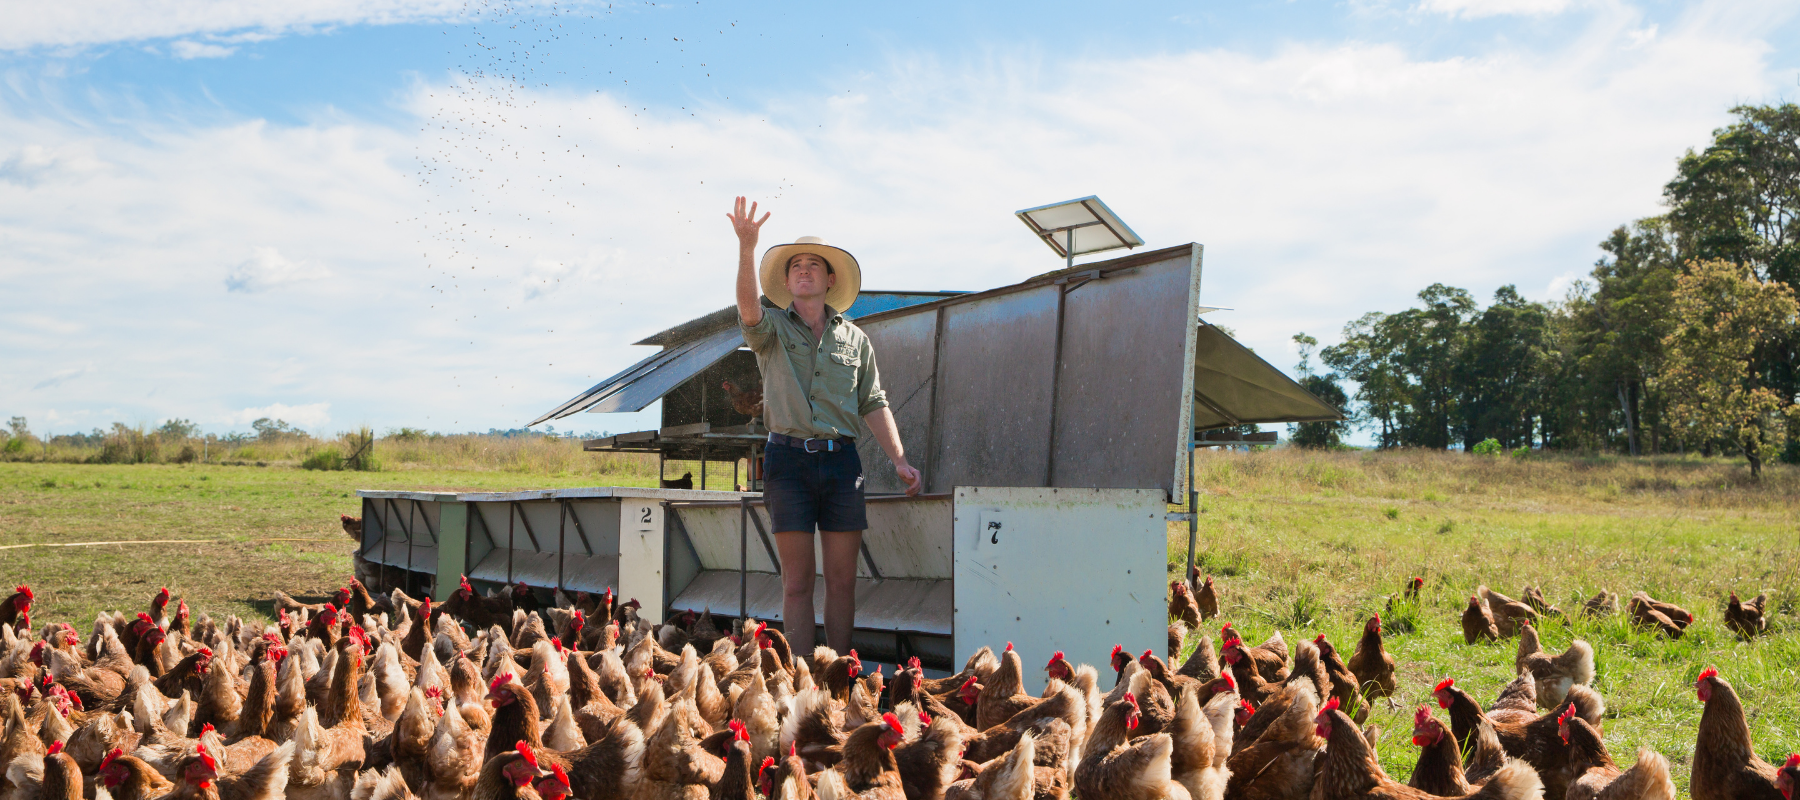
[1233, 385]
[691, 347]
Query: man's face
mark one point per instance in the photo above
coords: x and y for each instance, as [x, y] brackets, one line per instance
[808, 276]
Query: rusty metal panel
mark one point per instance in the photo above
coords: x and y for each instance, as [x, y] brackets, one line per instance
[996, 361]
[906, 355]
[1120, 400]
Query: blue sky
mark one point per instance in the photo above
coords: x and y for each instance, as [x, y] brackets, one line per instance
[456, 215]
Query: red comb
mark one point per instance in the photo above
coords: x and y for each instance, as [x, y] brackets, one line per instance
[1147, 656]
[1233, 642]
[1245, 705]
[1793, 761]
[110, 755]
[211, 763]
[206, 729]
[55, 747]
[760, 627]
[1421, 714]
[1444, 684]
[1709, 672]
[1117, 649]
[561, 777]
[768, 761]
[891, 721]
[465, 584]
[1130, 698]
[525, 753]
[1563, 718]
[26, 590]
[500, 680]
[739, 732]
[1058, 657]
[1320, 639]
[164, 592]
[1330, 705]
[924, 718]
[913, 663]
[1008, 647]
[1230, 681]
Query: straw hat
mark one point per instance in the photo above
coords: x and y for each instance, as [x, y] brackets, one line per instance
[843, 265]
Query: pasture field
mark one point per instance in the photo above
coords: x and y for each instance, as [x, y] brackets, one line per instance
[1302, 542]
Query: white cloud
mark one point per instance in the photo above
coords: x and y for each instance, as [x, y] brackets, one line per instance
[1473, 9]
[268, 268]
[311, 415]
[486, 271]
[87, 22]
[34, 164]
[187, 50]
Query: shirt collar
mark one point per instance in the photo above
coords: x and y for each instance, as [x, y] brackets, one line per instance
[830, 313]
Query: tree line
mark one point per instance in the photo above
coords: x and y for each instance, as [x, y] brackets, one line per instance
[1684, 337]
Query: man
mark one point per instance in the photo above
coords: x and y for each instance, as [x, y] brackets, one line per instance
[819, 377]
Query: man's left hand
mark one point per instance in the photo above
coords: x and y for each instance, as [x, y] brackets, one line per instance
[913, 482]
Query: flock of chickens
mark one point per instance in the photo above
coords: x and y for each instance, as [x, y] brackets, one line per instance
[501, 697]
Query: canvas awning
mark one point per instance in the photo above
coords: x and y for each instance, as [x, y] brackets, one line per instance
[1233, 386]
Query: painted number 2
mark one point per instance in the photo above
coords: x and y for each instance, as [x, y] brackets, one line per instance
[646, 519]
[993, 529]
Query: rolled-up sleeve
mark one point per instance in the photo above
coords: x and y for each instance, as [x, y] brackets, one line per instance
[869, 395]
[759, 336]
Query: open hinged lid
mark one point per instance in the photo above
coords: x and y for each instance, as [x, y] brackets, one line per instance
[1233, 386]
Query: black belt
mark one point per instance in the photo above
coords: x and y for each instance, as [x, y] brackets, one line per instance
[809, 445]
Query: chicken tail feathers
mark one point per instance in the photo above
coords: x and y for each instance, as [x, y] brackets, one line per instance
[1648, 779]
[1515, 781]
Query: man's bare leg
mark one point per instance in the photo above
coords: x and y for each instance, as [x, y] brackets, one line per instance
[797, 565]
[841, 550]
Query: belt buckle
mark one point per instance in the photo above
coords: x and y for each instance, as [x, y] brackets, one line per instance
[806, 445]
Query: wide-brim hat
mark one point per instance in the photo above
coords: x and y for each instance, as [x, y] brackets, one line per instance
[843, 265]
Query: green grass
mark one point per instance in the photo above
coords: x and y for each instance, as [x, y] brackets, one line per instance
[1329, 537]
[1302, 542]
[264, 528]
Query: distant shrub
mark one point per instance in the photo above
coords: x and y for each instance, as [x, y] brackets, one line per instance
[327, 458]
[14, 445]
[1522, 452]
[1488, 447]
[1391, 512]
[188, 455]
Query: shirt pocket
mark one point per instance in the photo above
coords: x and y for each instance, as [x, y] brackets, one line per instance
[841, 370]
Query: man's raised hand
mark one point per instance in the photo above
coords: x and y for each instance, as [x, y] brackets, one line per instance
[746, 224]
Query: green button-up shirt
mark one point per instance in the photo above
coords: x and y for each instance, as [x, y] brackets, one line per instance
[814, 390]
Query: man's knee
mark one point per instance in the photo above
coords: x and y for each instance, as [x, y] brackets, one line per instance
[797, 590]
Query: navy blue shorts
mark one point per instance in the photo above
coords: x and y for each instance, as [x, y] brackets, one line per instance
[804, 491]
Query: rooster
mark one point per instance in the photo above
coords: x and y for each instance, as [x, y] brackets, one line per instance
[1478, 622]
[1725, 766]
[1372, 665]
[1440, 768]
[1554, 674]
[868, 770]
[18, 604]
[1593, 775]
[748, 402]
[1745, 619]
[1117, 766]
[1348, 769]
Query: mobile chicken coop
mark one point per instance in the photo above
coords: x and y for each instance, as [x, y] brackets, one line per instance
[1053, 419]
